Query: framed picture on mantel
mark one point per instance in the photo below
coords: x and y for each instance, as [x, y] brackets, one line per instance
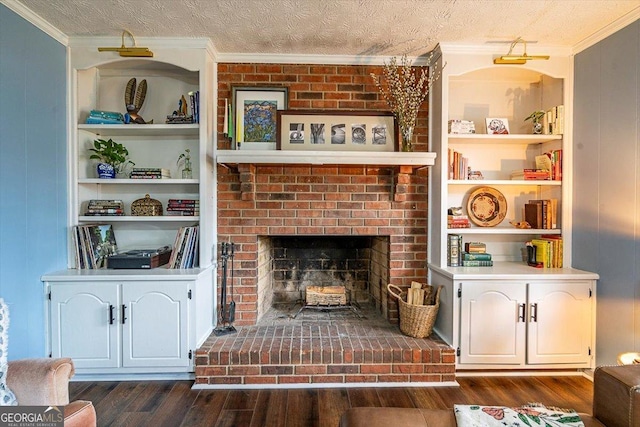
[323, 130]
[254, 113]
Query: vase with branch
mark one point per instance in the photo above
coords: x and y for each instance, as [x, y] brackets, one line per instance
[405, 88]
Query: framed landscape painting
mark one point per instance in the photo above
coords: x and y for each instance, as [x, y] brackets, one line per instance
[254, 112]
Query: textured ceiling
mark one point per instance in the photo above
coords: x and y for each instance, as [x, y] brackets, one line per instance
[336, 27]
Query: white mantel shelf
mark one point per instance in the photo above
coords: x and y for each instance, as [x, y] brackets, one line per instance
[415, 159]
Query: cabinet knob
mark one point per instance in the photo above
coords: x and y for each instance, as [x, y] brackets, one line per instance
[124, 307]
[111, 319]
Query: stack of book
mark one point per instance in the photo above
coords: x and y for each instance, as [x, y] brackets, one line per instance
[458, 221]
[183, 207]
[471, 259]
[542, 214]
[549, 250]
[531, 174]
[185, 248]
[150, 173]
[104, 208]
[475, 255]
[93, 245]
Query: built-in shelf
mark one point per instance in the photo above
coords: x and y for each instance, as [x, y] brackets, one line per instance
[502, 182]
[130, 218]
[503, 230]
[116, 181]
[416, 159]
[503, 139]
[143, 130]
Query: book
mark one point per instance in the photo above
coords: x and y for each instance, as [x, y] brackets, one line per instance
[466, 256]
[543, 251]
[475, 247]
[533, 215]
[454, 250]
[477, 263]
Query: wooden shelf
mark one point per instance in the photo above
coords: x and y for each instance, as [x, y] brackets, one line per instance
[503, 230]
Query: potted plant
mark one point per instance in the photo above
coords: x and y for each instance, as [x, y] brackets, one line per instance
[535, 118]
[113, 157]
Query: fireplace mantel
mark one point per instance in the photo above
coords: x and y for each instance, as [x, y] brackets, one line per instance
[413, 159]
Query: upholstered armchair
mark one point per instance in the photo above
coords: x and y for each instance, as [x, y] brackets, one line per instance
[41, 382]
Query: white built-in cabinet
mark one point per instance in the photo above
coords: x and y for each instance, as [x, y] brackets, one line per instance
[511, 315]
[124, 324]
[516, 322]
[137, 321]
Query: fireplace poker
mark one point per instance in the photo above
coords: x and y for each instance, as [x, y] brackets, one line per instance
[224, 327]
[232, 304]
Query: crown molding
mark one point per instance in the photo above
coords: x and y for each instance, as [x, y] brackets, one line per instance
[36, 20]
[608, 30]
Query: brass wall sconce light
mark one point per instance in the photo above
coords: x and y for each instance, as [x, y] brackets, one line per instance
[511, 58]
[133, 51]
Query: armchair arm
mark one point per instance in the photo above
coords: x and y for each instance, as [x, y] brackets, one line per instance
[40, 381]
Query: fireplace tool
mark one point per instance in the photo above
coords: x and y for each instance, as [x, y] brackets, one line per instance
[226, 314]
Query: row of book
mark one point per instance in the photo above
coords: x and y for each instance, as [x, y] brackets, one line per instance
[458, 165]
[150, 173]
[183, 207]
[542, 214]
[553, 121]
[181, 115]
[97, 207]
[185, 248]
[93, 245]
[549, 251]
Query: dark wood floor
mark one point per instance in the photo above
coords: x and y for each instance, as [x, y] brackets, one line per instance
[173, 403]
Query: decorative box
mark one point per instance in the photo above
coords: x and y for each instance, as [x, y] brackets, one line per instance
[146, 207]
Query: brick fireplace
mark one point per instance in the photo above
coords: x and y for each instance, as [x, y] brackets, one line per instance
[283, 200]
[386, 206]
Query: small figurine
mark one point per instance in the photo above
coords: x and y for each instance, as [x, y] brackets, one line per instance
[133, 100]
[520, 224]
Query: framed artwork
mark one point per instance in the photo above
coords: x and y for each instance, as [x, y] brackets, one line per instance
[497, 126]
[336, 130]
[254, 113]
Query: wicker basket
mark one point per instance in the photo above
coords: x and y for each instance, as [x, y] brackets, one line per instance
[416, 320]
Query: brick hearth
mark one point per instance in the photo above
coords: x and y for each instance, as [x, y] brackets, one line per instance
[343, 350]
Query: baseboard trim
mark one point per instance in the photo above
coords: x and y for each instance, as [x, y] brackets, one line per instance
[322, 385]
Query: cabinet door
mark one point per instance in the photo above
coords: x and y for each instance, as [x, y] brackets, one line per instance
[492, 326]
[154, 324]
[84, 324]
[559, 322]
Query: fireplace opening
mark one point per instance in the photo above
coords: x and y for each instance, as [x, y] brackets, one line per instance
[289, 265]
